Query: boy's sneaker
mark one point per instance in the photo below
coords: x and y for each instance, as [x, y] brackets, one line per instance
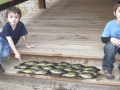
[1, 69]
[108, 74]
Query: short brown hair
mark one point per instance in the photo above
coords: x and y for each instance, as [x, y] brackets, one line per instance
[117, 5]
[14, 10]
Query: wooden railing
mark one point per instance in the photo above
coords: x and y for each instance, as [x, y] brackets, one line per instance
[10, 3]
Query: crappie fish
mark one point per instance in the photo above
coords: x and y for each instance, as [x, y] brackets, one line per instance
[36, 67]
[60, 66]
[50, 64]
[48, 67]
[77, 70]
[63, 63]
[86, 75]
[45, 62]
[90, 68]
[22, 66]
[31, 62]
[27, 71]
[69, 69]
[41, 72]
[42, 63]
[57, 71]
[78, 66]
[69, 74]
[95, 73]
[97, 69]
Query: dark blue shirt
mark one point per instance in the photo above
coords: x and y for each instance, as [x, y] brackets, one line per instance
[15, 34]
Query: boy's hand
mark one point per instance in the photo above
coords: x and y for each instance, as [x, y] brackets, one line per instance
[18, 56]
[30, 46]
[115, 41]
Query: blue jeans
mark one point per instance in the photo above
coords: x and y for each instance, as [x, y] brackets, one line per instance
[110, 51]
[5, 49]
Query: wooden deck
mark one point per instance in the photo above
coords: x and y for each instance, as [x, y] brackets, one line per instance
[68, 28]
[70, 31]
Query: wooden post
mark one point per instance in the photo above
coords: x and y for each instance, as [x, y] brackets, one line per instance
[42, 4]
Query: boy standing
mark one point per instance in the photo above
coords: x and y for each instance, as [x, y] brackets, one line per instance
[111, 36]
[10, 35]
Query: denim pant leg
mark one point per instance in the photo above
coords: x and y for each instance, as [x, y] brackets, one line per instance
[5, 49]
[109, 56]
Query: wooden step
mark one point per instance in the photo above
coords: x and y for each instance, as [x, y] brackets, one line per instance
[9, 69]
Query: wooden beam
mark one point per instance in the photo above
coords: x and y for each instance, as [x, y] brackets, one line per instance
[42, 4]
[10, 3]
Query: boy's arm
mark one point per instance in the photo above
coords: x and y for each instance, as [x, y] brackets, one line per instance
[10, 41]
[26, 42]
[105, 39]
[115, 41]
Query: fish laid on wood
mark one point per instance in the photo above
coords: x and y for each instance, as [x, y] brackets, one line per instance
[78, 66]
[95, 73]
[31, 62]
[48, 67]
[90, 68]
[69, 69]
[60, 66]
[27, 71]
[57, 71]
[69, 74]
[86, 75]
[64, 63]
[63, 69]
[36, 67]
[41, 72]
[22, 66]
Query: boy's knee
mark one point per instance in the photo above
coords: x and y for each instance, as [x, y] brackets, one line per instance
[109, 45]
[6, 54]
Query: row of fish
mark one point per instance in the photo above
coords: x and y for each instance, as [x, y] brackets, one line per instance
[61, 69]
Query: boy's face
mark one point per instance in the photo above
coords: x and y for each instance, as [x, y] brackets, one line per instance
[117, 14]
[13, 18]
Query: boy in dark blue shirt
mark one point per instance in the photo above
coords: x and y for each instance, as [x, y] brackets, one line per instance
[11, 33]
[111, 36]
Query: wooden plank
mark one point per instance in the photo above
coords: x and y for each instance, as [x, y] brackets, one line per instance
[68, 29]
[90, 81]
